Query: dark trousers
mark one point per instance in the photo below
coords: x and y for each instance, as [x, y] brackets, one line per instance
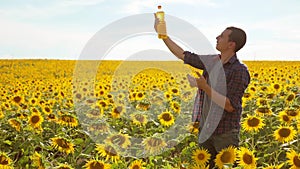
[216, 143]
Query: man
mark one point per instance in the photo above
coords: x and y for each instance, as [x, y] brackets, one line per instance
[218, 104]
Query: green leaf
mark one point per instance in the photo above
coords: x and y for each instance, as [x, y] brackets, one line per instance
[7, 142]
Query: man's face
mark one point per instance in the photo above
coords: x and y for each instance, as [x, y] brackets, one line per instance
[223, 43]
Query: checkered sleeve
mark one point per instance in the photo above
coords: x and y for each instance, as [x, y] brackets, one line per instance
[236, 87]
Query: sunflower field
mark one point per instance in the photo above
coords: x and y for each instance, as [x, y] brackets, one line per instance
[67, 114]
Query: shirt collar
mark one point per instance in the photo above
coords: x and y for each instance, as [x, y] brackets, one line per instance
[232, 59]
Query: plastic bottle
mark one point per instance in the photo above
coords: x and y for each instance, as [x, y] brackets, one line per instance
[161, 27]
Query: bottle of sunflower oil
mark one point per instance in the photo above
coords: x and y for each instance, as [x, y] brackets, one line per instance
[161, 27]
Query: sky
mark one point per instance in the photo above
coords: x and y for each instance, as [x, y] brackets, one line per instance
[61, 29]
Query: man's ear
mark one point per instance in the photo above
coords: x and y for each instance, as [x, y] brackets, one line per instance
[232, 45]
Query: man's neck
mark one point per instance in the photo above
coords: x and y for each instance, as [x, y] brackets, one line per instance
[225, 56]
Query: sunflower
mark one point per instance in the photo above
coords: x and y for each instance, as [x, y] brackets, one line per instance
[166, 118]
[174, 91]
[35, 120]
[284, 134]
[46, 109]
[131, 96]
[68, 120]
[284, 117]
[153, 144]
[22, 115]
[37, 160]
[193, 127]
[274, 166]
[247, 96]
[51, 117]
[293, 113]
[117, 111]
[198, 166]
[252, 123]
[5, 161]
[64, 166]
[96, 164]
[201, 156]
[136, 164]
[276, 86]
[17, 99]
[6, 105]
[139, 96]
[226, 156]
[168, 96]
[139, 119]
[263, 111]
[246, 158]
[290, 98]
[262, 102]
[175, 106]
[33, 101]
[62, 144]
[143, 106]
[15, 123]
[95, 113]
[121, 140]
[101, 93]
[99, 127]
[103, 104]
[293, 159]
[108, 152]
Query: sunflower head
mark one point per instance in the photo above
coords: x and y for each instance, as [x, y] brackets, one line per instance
[137, 164]
[285, 134]
[252, 123]
[108, 151]
[5, 161]
[290, 98]
[154, 144]
[96, 164]
[62, 145]
[15, 123]
[166, 118]
[263, 110]
[175, 106]
[201, 156]
[293, 158]
[262, 102]
[143, 106]
[284, 117]
[139, 119]
[35, 120]
[246, 158]
[226, 156]
[121, 140]
[118, 111]
[68, 120]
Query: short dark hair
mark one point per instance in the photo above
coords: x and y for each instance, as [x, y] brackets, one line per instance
[238, 36]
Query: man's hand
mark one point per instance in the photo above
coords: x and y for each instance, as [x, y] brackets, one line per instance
[199, 82]
[156, 22]
[160, 26]
[192, 80]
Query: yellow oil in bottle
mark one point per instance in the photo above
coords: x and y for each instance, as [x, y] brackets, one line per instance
[161, 27]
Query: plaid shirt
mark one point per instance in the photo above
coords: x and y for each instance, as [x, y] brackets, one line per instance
[237, 79]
